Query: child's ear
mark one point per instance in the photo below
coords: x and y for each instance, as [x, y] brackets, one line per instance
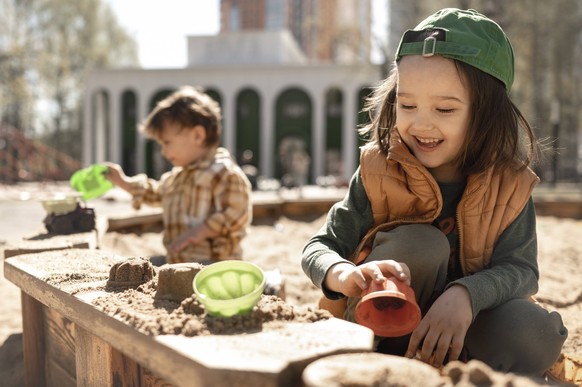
[199, 134]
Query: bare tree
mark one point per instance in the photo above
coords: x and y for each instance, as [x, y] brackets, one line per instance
[47, 48]
[16, 97]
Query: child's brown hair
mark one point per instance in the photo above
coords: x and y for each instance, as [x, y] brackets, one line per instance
[187, 107]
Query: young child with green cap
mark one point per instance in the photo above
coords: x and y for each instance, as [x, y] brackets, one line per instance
[442, 201]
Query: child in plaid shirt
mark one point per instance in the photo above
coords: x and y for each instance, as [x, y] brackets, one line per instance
[206, 196]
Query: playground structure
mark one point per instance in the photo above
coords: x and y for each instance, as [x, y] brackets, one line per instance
[25, 159]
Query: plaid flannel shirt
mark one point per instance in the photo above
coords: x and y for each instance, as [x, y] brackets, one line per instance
[214, 191]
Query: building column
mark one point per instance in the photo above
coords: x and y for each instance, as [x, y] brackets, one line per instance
[142, 111]
[229, 122]
[268, 104]
[88, 119]
[100, 126]
[115, 132]
[318, 134]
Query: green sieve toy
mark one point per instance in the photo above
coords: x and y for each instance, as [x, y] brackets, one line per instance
[91, 182]
[228, 288]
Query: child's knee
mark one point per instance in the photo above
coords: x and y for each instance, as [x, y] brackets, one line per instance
[424, 249]
[411, 243]
[518, 336]
[545, 343]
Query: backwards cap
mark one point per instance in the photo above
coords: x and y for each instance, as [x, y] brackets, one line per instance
[467, 36]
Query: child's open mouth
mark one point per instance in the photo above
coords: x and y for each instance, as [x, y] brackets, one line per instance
[428, 143]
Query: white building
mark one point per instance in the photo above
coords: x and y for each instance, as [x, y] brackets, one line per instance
[266, 90]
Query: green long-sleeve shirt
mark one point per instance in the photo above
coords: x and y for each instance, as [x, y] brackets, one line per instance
[513, 271]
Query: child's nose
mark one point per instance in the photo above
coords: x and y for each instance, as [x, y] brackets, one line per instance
[423, 121]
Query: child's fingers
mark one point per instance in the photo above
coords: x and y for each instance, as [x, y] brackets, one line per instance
[396, 269]
[403, 268]
[401, 271]
[440, 350]
[456, 347]
[182, 242]
[352, 282]
[372, 270]
[415, 340]
[111, 167]
[178, 245]
[360, 280]
[174, 248]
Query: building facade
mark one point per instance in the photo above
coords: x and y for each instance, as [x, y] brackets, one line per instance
[262, 105]
[271, 94]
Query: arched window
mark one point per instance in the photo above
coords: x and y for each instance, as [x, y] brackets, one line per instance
[248, 130]
[293, 137]
[129, 132]
[333, 131]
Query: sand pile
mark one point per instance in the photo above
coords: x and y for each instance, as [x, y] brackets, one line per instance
[374, 369]
[176, 310]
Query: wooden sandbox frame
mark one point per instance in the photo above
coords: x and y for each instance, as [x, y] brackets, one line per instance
[69, 341]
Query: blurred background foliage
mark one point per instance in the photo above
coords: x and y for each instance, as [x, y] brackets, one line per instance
[47, 49]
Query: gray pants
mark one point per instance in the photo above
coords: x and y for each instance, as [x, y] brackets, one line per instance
[517, 336]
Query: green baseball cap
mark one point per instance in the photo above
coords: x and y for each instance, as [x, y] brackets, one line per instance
[464, 35]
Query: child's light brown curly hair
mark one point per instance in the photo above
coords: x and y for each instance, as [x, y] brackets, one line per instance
[187, 107]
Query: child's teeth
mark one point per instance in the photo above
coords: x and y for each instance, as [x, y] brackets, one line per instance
[427, 140]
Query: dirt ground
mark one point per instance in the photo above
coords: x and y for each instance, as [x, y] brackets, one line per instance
[277, 244]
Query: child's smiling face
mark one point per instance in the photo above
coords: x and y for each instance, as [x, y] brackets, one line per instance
[432, 113]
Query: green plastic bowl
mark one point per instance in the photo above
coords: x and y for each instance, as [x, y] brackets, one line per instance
[90, 181]
[229, 288]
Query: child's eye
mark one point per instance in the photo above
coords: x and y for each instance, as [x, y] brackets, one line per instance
[445, 111]
[407, 107]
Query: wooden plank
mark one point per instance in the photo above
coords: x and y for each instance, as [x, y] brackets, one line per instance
[57, 376]
[559, 209]
[93, 360]
[47, 242]
[33, 341]
[59, 348]
[306, 207]
[269, 358]
[148, 379]
[265, 205]
[125, 371]
[271, 210]
[99, 364]
[121, 222]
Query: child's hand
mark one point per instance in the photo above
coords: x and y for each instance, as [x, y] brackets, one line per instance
[444, 327]
[115, 174]
[353, 280]
[192, 236]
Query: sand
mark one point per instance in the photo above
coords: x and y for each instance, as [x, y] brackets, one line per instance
[153, 308]
[277, 244]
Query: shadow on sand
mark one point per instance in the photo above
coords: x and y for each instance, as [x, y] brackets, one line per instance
[11, 362]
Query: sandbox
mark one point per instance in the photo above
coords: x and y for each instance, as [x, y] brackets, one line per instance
[78, 330]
